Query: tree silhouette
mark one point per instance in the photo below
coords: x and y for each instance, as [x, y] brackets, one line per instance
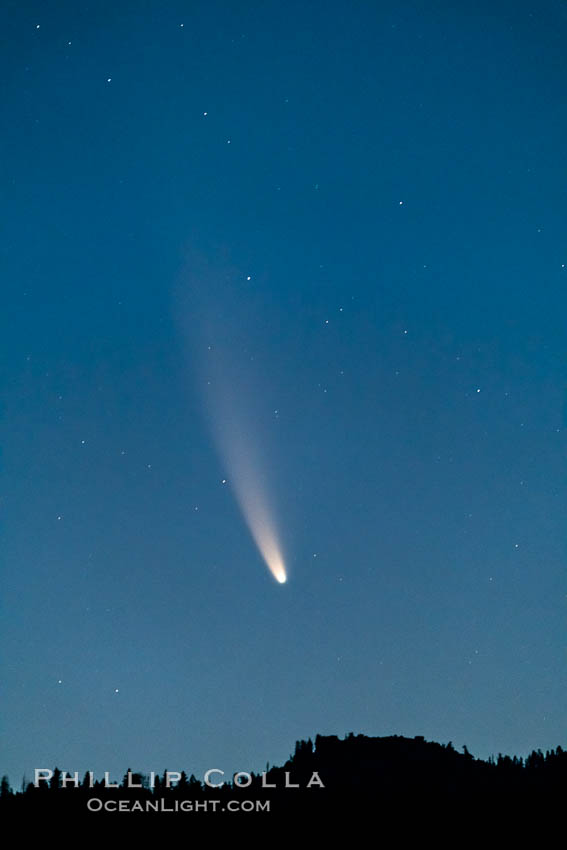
[55, 781]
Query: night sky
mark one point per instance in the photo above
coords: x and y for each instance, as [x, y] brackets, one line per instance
[313, 256]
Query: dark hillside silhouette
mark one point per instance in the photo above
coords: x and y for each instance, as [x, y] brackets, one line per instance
[361, 776]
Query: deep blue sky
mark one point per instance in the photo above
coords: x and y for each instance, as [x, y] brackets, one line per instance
[392, 179]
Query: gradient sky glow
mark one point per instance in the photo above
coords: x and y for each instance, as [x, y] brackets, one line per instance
[349, 218]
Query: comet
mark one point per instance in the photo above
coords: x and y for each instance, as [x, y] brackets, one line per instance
[218, 321]
[239, 446]
[240, 455]
[263, 533]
